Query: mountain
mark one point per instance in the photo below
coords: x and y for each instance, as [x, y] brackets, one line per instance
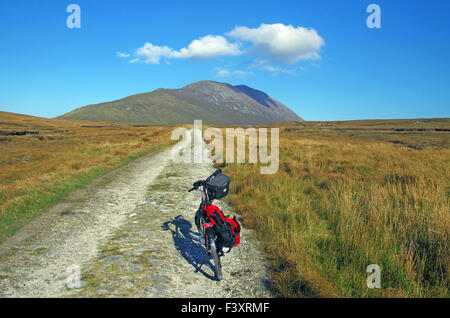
[213, 102]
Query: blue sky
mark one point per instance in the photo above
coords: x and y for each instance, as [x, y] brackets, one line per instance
[336, 69]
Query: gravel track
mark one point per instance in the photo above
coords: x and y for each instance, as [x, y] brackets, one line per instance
[131, 234]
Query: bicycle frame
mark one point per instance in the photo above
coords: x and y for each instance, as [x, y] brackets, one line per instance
[201, 219]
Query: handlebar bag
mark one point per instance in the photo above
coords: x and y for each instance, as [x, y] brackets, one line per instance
[218, 186]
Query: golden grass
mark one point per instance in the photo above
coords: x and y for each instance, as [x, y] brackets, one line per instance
[42, 160]
[339, 203]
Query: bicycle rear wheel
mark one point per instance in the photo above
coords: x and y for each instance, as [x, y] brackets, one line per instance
[216, 259]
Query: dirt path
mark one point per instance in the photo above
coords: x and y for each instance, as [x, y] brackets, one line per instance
[130, 234]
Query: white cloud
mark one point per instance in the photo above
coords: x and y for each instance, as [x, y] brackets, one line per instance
[209, 46]
[281, 43]
[264, 65]
[123, 55]
[223, 72]
[151, 54]
[272, 46]
[205, 47]
[276, 69]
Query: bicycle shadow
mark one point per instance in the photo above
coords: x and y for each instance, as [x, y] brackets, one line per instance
[188, 243]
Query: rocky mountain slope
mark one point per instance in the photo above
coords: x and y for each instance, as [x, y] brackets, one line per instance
[213, 102]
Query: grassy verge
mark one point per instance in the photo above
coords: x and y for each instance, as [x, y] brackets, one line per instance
[37, 200]
[42, 161]
[338, 204]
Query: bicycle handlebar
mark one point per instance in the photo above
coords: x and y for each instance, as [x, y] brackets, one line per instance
[203, 182]
[197, 184]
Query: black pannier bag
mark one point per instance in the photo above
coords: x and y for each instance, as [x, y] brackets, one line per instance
[218, 186]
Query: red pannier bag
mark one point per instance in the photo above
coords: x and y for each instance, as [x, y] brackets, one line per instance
[228, 230]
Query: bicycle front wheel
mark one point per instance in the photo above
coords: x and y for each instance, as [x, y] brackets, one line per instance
[198, 222]
[216, 259]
